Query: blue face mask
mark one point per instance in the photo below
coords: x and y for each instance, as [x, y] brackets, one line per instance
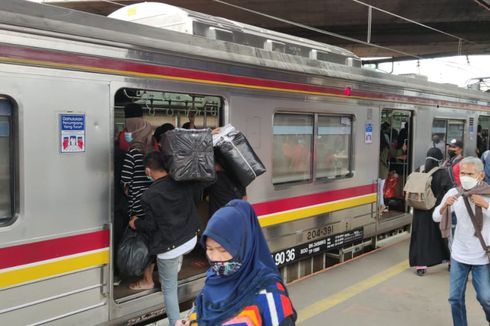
[128, 136]
[225, 268]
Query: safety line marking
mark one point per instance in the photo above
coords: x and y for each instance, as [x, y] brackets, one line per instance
[353, 290]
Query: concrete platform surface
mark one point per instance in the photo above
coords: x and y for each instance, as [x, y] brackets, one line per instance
[376, 289]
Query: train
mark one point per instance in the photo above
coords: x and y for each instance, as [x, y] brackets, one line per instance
[311, 112]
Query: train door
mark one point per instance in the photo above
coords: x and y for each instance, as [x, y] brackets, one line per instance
[181, 110]
[482, 139]
[395, 159]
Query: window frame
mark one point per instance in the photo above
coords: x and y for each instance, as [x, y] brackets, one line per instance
[13, 162]
[314, 149]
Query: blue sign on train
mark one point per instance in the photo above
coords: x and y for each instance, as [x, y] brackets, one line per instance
[72, 133]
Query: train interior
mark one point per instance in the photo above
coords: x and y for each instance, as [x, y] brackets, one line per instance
[395, 158]
[159, 108]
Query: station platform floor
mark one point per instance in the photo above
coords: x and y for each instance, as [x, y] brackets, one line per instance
[378, 288]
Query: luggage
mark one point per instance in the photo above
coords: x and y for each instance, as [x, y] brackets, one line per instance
[418, 191]
[132, 255]
[189, 154]
[238, 157]
[391, 184]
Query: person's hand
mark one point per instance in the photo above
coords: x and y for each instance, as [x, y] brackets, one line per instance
[132, 221]
[215, 131]
[182, 322]
[450, 201]
[479, 201]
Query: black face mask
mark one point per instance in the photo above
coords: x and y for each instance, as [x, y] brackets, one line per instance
[451, 153]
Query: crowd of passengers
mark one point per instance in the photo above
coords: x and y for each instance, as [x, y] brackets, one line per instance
[456, 230]
[243, 284]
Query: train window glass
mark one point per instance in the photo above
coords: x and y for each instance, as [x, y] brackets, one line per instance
[439, 129]
[455, 130]
[6, 161]
[333, 147]
[292, 148]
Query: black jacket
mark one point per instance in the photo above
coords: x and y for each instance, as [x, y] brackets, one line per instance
[170, 214]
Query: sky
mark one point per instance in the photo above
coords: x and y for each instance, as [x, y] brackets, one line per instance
[456, 70]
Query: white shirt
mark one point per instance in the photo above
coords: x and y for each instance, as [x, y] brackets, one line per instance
[180, 250]
[466, 247]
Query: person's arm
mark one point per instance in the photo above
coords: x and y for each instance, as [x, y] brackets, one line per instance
[148, 223]
[127, 171]
[446, 201]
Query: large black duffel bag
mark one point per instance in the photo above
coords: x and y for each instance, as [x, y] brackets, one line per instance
[189, 154]
[239, 157]
[132, 255]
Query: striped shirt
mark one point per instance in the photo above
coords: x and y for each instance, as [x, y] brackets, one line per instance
[272, 308]
[133, 178]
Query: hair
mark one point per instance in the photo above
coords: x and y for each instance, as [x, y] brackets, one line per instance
[471, 160]
[155, 161]
[159, 131]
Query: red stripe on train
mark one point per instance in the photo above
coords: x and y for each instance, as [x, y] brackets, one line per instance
[309, 200]
[128, 67]
[54, 248]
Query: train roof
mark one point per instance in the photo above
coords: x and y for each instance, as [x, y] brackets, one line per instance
[63, 23]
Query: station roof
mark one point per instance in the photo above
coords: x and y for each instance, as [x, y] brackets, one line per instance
[465, 23]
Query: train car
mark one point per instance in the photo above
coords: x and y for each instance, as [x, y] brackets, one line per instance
[310, 111]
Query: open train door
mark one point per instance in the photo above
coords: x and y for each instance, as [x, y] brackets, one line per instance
[396, 132]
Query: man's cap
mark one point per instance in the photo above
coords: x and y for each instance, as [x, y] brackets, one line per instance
[133, 110]
[456, 143]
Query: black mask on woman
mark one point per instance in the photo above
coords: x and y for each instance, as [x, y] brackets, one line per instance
[451, 154]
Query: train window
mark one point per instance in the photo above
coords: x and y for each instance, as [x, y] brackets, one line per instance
[333, 147]
[292, 144]
[6, 161]
[447, 129]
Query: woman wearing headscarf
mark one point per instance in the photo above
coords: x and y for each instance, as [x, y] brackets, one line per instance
[427, 247]
[243, 285]
[138, 134]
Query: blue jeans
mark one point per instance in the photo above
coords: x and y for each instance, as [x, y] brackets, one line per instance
[457, 288]
[168, 270]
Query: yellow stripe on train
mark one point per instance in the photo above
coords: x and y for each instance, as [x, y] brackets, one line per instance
[50, 269]
[310, 211]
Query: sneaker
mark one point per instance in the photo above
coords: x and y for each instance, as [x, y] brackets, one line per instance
[420, 272]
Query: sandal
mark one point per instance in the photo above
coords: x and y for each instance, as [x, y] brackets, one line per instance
[139, 286]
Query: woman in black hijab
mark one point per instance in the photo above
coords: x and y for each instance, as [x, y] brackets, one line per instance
[427, 247]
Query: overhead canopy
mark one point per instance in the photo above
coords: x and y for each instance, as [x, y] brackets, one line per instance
[466, 23]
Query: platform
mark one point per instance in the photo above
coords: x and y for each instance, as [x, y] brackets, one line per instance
[378, 288]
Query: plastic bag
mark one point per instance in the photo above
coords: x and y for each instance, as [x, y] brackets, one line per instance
[189, 154]
[238, 156]
[391, 184]
[133, 254]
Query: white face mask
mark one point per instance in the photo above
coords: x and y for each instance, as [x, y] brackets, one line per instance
[468, 182]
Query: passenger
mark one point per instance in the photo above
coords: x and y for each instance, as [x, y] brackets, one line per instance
[438, 143]
[159, 131]
[384, 168]
[192, 118]
[139, 136]
[225, 189]
[467, 252]
[243, 285]
[403, 135]
[427, 247]
[455, 153]
[486, 164]
[171, 223]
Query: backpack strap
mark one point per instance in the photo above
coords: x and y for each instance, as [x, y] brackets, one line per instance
[431, 172]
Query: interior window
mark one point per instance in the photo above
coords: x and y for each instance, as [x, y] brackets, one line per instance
[291, 148]
[333, 146]
[6, 161]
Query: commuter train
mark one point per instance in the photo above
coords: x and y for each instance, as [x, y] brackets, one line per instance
[310, 111]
